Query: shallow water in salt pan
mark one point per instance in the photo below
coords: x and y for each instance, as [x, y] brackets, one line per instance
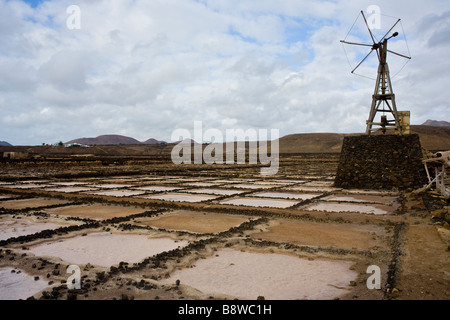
[180, 197]
[13, 227]
[117, 193]
[19, 285]
[105, 249]
[275, 276]
[301, 196]
[341, 207]
[255, 202]
[216, 191]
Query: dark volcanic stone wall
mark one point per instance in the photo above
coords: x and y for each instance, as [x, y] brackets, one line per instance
[381, 162]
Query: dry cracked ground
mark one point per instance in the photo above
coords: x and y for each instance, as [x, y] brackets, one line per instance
[153, 230]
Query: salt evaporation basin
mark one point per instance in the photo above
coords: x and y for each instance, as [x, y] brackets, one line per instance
[180, 197]
[15, 285]
[13, 227]
[157, 188]
[286, 195]
[255, 202]
[117, 193]
[274, 276]
[68, 183]
[112, 186]
[69, 189]
[226, 192]
[341, 207]
[105, 249]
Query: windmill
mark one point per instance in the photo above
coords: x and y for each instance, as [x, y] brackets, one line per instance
[383, 98]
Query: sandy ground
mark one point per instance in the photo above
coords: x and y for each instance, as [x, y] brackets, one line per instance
[95, 211]
[355, 236]
[194, 221]
[31, 203]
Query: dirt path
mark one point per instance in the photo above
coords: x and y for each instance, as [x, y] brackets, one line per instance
[425, 266]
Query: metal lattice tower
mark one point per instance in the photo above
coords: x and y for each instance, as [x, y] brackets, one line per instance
[383, 98]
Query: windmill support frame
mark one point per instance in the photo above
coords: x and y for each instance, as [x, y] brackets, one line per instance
[382, 94]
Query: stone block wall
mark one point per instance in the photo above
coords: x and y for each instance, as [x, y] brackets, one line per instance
[381, 162]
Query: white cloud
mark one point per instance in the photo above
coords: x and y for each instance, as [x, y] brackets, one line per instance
[145, 68]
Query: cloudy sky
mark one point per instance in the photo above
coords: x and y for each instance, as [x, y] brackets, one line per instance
[145, 68]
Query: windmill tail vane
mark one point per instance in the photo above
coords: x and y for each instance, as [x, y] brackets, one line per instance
[383, 98]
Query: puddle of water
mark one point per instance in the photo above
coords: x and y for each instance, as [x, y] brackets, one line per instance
[105, 249]
[13, 227]
[216, 191]
[300, 196]
[260, 202]
[341, 207]
[180, 197]
[275, 276]
[16, 286]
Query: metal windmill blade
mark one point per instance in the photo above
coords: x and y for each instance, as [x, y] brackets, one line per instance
[383, 92]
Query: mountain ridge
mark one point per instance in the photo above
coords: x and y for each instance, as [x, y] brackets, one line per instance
[112, 139]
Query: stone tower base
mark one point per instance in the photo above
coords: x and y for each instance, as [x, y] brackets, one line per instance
[381, 162]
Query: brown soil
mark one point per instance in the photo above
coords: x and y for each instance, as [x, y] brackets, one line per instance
[31, 203]
[95, 211]
[354, 236]
[194, 221]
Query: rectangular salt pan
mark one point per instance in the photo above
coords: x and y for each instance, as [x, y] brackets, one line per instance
[180, 197]
[274, 276]
[216, 191]
[13, 227]
[117, 193]
[105, 249]
[16, 284]
[157, 188]
[254, 202]
[300, 196]
[341, 207]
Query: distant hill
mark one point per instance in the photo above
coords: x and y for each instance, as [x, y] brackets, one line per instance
[112, 139]
[5, 144]
[311, 143]
[434, 138]
[434, 123]
[152, 141]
